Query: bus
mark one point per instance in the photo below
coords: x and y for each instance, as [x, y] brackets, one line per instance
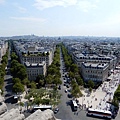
[74, 105]
[41, 107]
[99, 113]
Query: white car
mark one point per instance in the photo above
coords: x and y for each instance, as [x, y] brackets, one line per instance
[66, 90]
[56, 110]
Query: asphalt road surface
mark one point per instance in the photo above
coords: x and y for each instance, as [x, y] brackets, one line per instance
[8, 94]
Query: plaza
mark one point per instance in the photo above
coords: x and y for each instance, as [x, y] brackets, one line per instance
[99, 98]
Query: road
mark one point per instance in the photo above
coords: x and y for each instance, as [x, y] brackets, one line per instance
[65, 111]
[8, 95]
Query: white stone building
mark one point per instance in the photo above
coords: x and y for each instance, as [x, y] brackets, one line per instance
[35, 69]
[3, 48]
[94, 71]
[79, 58]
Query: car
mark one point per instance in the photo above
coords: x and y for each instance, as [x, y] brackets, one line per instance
[56, 110]
[66, 90]
[64, 84]
[59, 87]
[70, 96]
[67, 86]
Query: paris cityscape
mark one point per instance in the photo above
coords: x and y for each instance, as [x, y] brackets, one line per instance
[59, 60]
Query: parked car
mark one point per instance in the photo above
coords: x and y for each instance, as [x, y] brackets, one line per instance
[56, 110]
[66, 90]
[70, 96]
[67, 86]
[59, 87]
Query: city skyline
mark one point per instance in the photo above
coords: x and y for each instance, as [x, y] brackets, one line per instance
[60, 17]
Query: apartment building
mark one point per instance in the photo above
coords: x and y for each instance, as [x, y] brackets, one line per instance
[37, 58]
[35, 69]
[34, 56]
[97, 72]
[79, 58]
[33, 53]
[3, 48]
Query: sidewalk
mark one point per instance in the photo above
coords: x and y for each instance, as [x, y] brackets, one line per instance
[98, 99]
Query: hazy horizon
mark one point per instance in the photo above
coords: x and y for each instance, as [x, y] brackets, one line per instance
[60, 18]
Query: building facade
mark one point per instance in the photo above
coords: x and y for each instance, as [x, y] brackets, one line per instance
[94, 58]
[35, 69]
[3, 48]
[95, 72]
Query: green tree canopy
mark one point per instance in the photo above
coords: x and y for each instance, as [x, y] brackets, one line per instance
[91, 84]
[14, 56]
[18, 87]
[74, 68]
[16, 80]
[33, 85]
[79, 80]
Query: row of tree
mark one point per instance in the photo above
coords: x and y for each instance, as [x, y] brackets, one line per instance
[2, 69]
[19, 74]
[71, 67]
[116, 98]
[74, 72]
[53, 72]
[76, 80]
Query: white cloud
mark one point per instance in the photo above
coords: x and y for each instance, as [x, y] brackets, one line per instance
[84, 5]
[33, 19]
[2, 1]
[21, 9]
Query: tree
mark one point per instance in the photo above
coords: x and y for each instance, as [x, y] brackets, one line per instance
[49, 79]
[76, 91]
[22, 74]
[74, 68]
[37, 101]
[16, 80]
[57, 80]
[25, 81]
[1, 81]
[41, 83]
[71, 74]
[90, 89]
[79, 81]
[91, 84]
[14, 56]
[18, 87]
[14, 63]
[33, 85]
[4, 60]
[39, 77]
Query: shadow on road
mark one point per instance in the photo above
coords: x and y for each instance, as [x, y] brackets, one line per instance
[8, 95]
[9, 87]
[8, 81]
[68, 103]
[10, 100]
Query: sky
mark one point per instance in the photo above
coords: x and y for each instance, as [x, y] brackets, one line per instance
[60, 17]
